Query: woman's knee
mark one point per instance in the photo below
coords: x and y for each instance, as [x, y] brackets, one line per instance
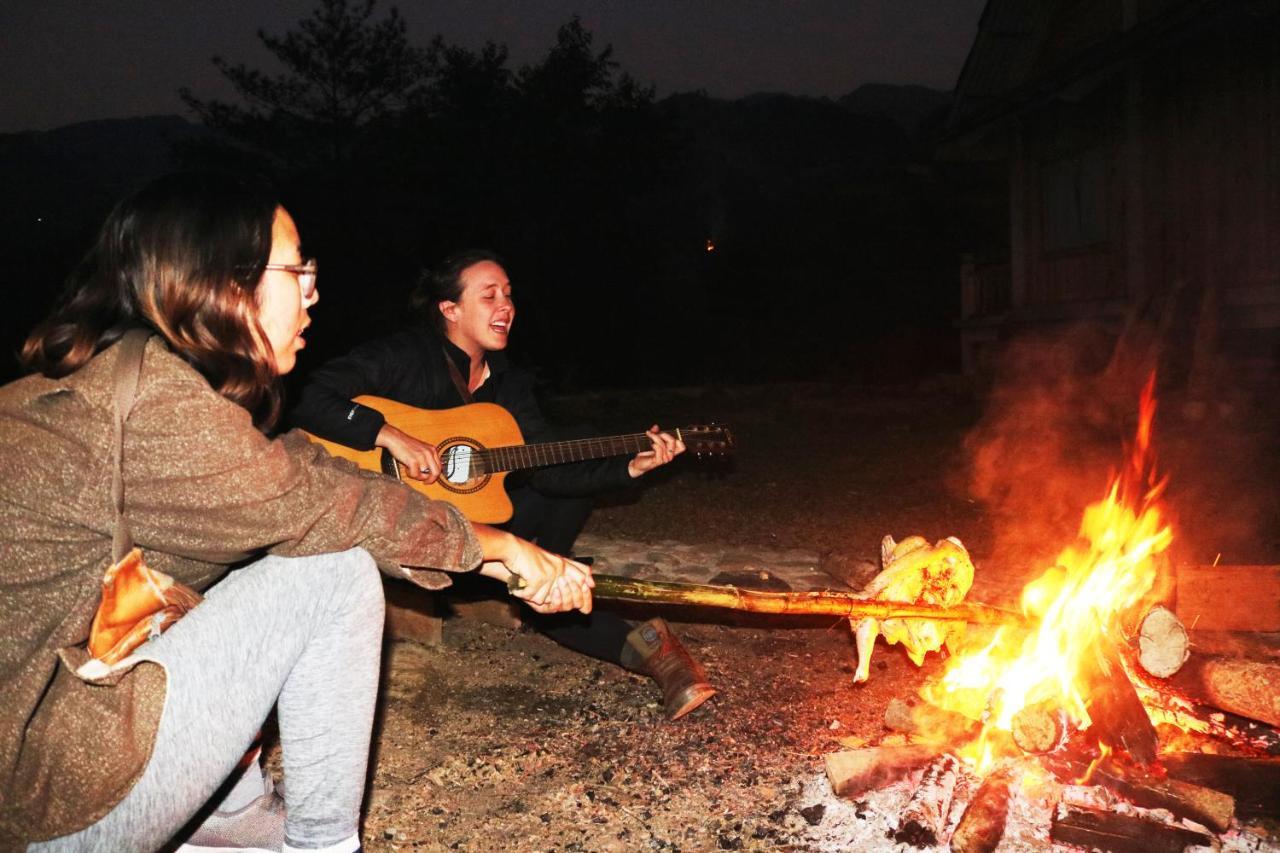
[357, 577]
[314, 587]
[334, 583]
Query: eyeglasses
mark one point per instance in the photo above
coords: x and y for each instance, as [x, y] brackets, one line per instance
[306, 273]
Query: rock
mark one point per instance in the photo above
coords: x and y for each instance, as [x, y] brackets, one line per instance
[813, 814]
[751, 578]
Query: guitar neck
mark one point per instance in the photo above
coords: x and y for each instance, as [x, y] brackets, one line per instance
[517, 457]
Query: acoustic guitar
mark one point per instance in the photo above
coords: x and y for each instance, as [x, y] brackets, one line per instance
[479, 444]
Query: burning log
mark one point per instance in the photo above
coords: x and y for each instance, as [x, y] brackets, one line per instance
[1118, 833]
[1244, 687]
[982, 825]
[855, 771]
[1118, 716]
[1254, 782]
[930, 723]
[816, 603]
[1190, 716]
[1206, 806]
[1163, 644]
[1039, 728]
[924, 817]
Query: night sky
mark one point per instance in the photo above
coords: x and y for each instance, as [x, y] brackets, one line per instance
[63, 61]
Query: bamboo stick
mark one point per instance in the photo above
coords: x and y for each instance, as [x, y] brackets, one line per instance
[817, 602]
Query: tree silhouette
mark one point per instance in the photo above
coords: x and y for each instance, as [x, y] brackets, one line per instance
[345, 72]
[574, 77]
[392, 155]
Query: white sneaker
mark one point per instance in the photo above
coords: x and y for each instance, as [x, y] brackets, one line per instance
[258, 826]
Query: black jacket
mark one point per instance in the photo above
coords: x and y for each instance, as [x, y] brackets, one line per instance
[409, 367]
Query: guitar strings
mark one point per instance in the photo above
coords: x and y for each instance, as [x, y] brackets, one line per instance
[522, 455]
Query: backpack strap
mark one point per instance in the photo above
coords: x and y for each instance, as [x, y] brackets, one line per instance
[128, 370]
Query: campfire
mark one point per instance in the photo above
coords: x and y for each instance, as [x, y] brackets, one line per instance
[1093, 714]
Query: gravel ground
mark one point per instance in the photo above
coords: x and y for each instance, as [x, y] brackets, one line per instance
[501, 740]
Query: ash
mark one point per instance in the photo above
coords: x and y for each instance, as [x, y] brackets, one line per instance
[867, 822]
[862, 824]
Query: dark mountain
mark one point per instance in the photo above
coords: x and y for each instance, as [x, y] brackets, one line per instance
[785, 133]
[55, 188]
[916, 109]
[80, 169]
[810, 208]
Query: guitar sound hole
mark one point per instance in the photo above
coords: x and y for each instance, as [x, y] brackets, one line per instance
[463, 468]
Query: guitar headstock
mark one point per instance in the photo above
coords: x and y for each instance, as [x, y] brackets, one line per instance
[707, 440]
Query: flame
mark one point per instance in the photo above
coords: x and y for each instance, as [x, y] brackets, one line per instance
[1111, 567]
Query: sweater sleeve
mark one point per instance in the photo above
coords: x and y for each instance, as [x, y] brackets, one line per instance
[204, 483]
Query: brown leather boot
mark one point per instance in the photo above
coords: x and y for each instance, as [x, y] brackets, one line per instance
[653, 650]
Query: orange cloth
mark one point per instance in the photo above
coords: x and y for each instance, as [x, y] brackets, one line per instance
[138, 602]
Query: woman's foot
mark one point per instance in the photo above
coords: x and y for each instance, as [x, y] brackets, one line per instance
[259, 826]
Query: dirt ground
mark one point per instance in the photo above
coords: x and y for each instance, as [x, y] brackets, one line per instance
[501, 740]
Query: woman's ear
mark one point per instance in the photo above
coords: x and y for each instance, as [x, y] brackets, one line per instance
[449, 310]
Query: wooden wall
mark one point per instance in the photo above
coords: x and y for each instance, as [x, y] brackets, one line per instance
[1208, 196]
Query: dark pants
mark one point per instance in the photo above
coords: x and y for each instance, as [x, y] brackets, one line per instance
[554, 524]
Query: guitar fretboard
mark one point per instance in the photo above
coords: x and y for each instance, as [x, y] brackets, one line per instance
[519, 456]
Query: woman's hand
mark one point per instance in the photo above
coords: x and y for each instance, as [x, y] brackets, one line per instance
[420, 460]
[665, 447]
[547, 582]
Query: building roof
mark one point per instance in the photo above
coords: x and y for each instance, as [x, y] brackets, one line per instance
[1029, 50]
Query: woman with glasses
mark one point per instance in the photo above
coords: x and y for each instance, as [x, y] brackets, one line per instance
[456, 355]
[285, 542]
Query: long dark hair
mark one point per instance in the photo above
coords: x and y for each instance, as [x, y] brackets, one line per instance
[443, 283]
[182, 257]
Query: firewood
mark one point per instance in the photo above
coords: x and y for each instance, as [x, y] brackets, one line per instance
[930, 723]
[1167, 701]
[1235, 644]
[1038, 728]
[853, 772]
[982, 825]
[1118, 717]
[1245, 687]
[1254, 782]
[925, 816]
[1095, 830]
[1206, 806]
[1229, 598]
[1163, 644]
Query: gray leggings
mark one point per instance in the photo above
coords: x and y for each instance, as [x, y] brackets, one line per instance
[303, 634]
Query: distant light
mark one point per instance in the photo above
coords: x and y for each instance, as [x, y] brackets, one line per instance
[711, 245]
[39, 219]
